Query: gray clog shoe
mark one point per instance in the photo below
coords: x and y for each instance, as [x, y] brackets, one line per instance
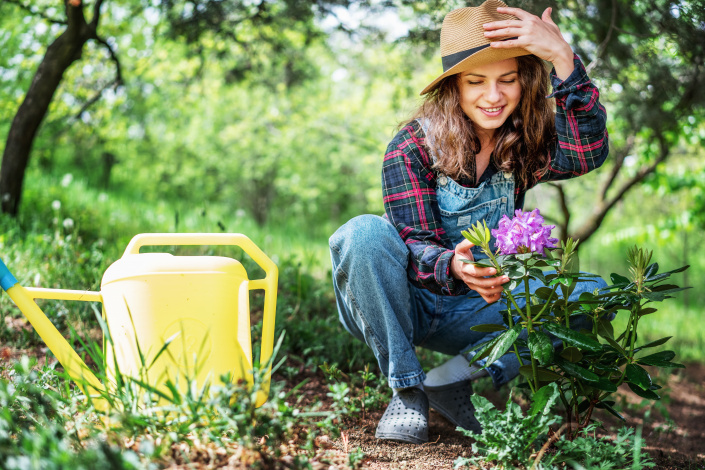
[406, 418]
[452, 401]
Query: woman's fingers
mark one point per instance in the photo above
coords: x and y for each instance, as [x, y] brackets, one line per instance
[477, 271]
[464, 248]
[496, 25]
[518, 12]
[546, 16]
[523, 16]
[490, 295]
[493, 284]
[480, 279]
[539, 36]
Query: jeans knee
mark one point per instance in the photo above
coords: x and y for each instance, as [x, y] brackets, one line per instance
[364, 235]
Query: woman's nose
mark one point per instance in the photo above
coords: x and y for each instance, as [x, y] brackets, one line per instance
[493, 93]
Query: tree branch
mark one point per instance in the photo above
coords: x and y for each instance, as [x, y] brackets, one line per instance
[96, 14]
[565, 211]
[617, 167]
[115, 83]
[637, 178]
[95, 98]
[593, 223]
[548, 218]
[77, 25]
[636, 35]
[603, 45]
[34, 12]
[118, 67]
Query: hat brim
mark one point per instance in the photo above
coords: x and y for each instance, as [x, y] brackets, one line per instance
[483, 57]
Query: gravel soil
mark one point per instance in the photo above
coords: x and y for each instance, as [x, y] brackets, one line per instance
[673, 430]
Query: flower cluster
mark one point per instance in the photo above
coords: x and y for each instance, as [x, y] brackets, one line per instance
[525, 233]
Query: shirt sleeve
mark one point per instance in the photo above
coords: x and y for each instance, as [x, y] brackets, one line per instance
[409, 195]
[582, 141]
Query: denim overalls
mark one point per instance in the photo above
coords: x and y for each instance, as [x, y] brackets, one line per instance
[378, 304]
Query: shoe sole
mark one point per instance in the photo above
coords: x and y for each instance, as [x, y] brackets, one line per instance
[405, 438]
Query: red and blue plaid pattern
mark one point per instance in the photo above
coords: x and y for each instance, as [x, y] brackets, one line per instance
[409, 182]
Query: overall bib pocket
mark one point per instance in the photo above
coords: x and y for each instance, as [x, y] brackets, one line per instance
[462, 207]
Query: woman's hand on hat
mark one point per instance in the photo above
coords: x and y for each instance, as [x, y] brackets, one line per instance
[476, 278]
[540, 36]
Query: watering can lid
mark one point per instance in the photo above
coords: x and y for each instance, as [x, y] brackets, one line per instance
[141, 264]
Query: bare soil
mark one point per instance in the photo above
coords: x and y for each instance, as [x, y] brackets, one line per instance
[673, 429]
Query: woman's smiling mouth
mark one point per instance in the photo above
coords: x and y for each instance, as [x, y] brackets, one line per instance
[492, 112]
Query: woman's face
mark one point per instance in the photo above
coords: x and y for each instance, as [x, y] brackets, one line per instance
[489, 94]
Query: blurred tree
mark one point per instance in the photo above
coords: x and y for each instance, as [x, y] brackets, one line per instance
[258, 37]
[648, 58]
[60, 54]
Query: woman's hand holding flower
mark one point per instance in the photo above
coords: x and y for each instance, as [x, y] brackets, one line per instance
[476, 278]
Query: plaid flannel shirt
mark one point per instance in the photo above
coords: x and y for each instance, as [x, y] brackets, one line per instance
[409, 182]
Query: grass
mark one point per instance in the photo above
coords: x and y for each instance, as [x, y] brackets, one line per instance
[116, 218]
[43, 424]
[69, 244]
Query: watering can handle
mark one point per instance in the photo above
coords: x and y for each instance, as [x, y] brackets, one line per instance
[268, 284]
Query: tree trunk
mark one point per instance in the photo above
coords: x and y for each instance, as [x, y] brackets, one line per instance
[64, 51]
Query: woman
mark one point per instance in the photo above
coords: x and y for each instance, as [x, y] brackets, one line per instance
[485, 133]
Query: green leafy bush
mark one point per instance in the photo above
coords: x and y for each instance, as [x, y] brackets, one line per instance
[589, 364]
[511, 439]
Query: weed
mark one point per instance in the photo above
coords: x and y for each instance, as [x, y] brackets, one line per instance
[356, 393]
[667, 427]
[514, 440]
[356, 458]
[510, 437]
[589, 452]
[144, 423]
[38, 430]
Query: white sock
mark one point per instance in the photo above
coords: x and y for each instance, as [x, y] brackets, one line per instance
[396, 390]
[453, 370]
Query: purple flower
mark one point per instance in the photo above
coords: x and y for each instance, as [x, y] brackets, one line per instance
[524, 233]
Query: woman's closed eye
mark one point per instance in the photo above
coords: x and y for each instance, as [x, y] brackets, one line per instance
[504, 82]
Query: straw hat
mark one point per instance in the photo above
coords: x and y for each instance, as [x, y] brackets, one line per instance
[463, 42]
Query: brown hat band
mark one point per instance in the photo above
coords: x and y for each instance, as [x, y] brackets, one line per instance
[451, 60]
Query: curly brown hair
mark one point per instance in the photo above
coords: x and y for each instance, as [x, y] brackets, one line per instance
[521, 143]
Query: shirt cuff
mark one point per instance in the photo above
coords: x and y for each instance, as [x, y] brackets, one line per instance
[577, 78]
[449, 285]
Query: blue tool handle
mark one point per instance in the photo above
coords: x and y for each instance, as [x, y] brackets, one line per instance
[7, 280]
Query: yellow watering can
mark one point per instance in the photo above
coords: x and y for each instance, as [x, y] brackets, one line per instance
[175, 317]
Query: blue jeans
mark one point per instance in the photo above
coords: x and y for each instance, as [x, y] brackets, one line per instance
[378, 305]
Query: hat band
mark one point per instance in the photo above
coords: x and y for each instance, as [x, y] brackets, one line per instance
[452, 60]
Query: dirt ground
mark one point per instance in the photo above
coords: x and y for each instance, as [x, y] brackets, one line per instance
[673, 430]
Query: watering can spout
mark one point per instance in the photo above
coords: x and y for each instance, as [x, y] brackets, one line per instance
[74, 366]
